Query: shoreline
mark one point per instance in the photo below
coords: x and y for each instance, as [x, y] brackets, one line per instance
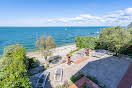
[55, 47]
[34, 50]
[61, 51]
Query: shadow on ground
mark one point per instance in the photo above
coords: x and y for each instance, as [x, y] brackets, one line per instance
[108, 71]
[34, 79]
[54, 59]
[35, 70]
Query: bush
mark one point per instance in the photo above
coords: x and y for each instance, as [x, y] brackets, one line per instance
[86, 42]
[74, 79]
[12, 48]
[65, 85]
[32, 63]
[115, 39]
[70, 54]
[130, 30]
[13, 72]
[128, 51]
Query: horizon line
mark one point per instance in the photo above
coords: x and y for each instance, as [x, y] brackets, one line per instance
[62, 26]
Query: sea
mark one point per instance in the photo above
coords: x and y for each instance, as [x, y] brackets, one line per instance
[27, 36]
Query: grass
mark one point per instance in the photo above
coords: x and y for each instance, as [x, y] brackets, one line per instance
[70, 54]
[53, 59]
[74, 79]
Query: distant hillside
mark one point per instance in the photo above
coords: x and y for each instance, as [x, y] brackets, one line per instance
[129, 26]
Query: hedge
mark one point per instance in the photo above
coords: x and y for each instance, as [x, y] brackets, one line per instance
[13, 70]
[86, 42]
[115, 39]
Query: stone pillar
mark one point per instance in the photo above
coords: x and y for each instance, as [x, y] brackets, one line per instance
[87, 51]
[69, 60]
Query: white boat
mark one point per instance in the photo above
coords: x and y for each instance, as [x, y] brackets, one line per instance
[65, 29]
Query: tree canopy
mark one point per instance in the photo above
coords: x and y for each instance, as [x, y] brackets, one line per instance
[86, 42]
[115, 39]
[45, 44]
[13, 70]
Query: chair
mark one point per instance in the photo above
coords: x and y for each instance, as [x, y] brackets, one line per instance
[42, 80]
[58, 75]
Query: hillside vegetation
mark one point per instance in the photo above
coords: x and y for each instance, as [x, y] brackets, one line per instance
[115, 39]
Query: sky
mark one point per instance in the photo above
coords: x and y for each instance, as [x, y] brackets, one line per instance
[65, 12]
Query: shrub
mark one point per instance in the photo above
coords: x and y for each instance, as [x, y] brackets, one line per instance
[12, 48]
[65, 85]
[74, 79]
[130, 30]
[128, 51]
[13, 72]
[86, 42]
[115, 39]
[70, 54]
[32, 63]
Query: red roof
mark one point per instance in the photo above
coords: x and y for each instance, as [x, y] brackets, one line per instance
[84, 81]
[126, 81]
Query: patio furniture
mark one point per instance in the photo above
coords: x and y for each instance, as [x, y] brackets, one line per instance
[81, 52]
[58, 75]
[42, 80]
[97, 54]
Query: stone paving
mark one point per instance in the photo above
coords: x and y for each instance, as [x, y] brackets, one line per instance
[126, 81]
[108, 70]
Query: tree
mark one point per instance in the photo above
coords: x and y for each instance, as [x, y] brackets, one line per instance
[86, 42]
[130, 30]
[46, 45]
[13, 70]
[115, 39]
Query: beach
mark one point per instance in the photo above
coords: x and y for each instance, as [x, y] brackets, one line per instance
[61, 51]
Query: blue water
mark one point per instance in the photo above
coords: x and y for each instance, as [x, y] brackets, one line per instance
[27, 36]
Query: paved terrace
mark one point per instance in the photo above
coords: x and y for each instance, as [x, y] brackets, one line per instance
[108, 70]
